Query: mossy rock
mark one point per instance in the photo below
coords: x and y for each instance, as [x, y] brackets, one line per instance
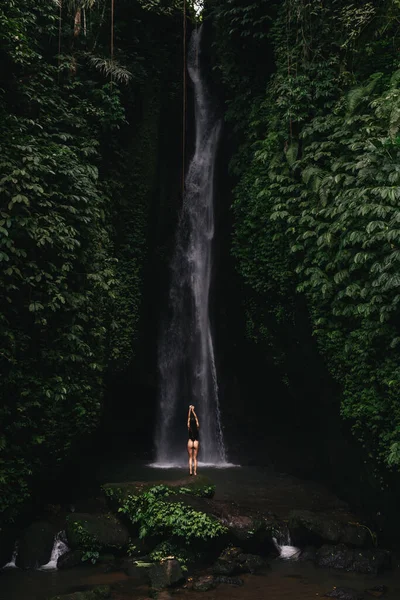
[101, 532]
[175, 548]
[199, 486]
[178, 511]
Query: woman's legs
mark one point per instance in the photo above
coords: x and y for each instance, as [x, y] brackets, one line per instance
[195, 452]
[190, 450]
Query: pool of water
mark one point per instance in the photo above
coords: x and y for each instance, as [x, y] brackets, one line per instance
[283, 581]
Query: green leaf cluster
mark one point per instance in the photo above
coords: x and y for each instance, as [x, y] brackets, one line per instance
[156, 512]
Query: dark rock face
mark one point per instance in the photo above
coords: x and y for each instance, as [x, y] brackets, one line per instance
[35, 545]
[360, 561]
[251, 562]
[8, 537]
[165, 574]
[251, 530]
[70, 559]
[377, 591]
[345, 594]
[307, 527]
[309, 553]
[233, 561]
[204, 584]
[105, 530]
[226, 567]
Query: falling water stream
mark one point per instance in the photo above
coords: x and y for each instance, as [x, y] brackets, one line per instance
[186, 351]
[59, 548]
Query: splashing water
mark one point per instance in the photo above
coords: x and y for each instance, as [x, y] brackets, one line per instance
[59, 548]
[285, 549]
[186, 353]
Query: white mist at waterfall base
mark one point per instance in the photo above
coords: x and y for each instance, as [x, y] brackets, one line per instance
[200, 464]
[186, 359]
[59, 548]
[286, 551]
[12, 563]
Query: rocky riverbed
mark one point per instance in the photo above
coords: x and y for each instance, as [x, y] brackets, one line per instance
[147, 533]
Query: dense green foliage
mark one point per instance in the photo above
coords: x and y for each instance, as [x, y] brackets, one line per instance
[78, 132]
[316, 203]
[156, 511]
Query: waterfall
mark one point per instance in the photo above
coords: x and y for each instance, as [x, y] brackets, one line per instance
[12, 563]
[186, 352]
[285, 548]
[59, 548]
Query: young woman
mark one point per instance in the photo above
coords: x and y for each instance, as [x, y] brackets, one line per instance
[193, 442]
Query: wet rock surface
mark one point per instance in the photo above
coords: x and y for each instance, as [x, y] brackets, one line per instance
[308, 527]
[342, 593]
[105, 530]
[378, 591]
[357, 560]
[35, 545]
[165, 574]
[309, 553]
[70, 559]
[204, 583]
[234, 561]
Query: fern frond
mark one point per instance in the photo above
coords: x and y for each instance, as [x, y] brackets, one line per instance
[111, 68]
[358, 94]
[354, 98]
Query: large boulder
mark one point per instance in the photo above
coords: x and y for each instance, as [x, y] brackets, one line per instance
[307, 527]
[204, 583]
[35, 545]
[251, 530]
[8, 536]
[371, 561]
[165, 574]
[100, 532]
[233, 561]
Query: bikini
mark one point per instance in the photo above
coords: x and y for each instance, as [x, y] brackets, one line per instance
[193, 430]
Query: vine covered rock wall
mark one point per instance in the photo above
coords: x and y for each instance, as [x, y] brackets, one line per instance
[316, 125]
[79, 133]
